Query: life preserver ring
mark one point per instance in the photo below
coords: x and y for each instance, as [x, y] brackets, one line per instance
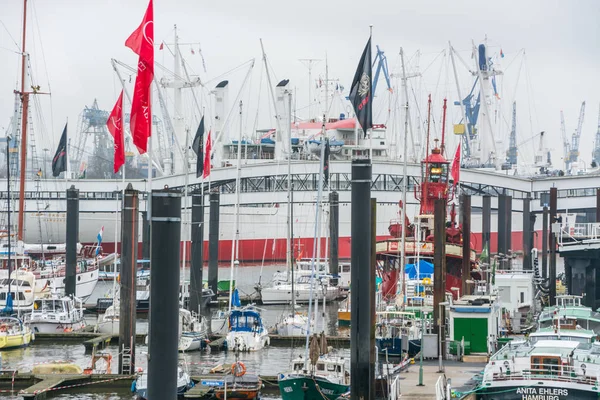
[426, 281]
[238, 369]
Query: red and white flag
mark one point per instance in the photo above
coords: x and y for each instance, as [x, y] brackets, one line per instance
[115, 127]
[455, 171]
[207, 150]
[141, 42]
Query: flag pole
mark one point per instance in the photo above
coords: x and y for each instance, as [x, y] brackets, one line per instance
[67, 155]
[372, 94]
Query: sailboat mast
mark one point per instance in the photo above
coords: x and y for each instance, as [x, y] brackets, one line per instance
[289, 188]
[236, 229]
[316, 248]
[25, 101]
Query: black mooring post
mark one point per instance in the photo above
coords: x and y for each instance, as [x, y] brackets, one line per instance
[164, 294]
[501, 235]
[508, 219]
[362, 360]
[72, 240]
[128, 272]
[527, 232]
[334, 234]
[213, 242]
[545, 213]
[486, 222]
[197, 251]
[465, 202]
[145, 236]
[552, 244]
[439, 272]
[598, 205]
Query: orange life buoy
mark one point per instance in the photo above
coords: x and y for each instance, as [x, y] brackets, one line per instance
[238, 369]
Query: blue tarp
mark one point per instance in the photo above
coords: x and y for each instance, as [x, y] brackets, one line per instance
[425, 270]
[235, 299]
[9, 304]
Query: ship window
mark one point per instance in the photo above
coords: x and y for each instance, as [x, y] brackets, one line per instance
[522, 297]
[320, 367]
[298, 366]
[331, 367]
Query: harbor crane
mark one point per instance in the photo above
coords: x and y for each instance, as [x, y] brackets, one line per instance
[574, 151]
[596, 152]
[566, 144]
[512, 148]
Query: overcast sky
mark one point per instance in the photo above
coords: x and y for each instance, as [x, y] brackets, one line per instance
[71, 43]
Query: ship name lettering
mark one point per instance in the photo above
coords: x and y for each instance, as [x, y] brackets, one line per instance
[532, 393]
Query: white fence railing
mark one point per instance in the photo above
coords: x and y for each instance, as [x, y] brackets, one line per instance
[576, 233]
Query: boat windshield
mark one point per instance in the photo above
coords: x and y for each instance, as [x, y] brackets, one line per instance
[16, 282]
[246, 322]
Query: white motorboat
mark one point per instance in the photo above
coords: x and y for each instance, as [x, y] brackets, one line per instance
[246, 330]
[56, 314]
[303, 267]
[51, 274]
[22, 288]
[282, 293]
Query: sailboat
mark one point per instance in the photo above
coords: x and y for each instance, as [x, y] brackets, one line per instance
[246, 331]
[319, 374]
[294, 323]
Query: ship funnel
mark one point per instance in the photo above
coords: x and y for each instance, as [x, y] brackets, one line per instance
[482, 58]
[283, 116]
[221, 92]
[221, 96]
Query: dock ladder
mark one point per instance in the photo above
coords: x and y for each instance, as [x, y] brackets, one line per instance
[126, 361]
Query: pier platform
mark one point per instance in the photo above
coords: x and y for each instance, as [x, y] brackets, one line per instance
[39, 386]
[462, 377]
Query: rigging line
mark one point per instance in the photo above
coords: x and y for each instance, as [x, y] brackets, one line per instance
[11, 37]
[258, 105]
[530, 98]
[433, 61]
[9, 50]
[514, 59]
[251, 61]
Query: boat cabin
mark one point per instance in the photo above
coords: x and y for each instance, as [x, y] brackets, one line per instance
[245, 321]
[331, 367]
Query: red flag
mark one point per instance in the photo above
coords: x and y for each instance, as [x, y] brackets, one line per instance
[456, 166]
[115, 127]
[207, 149]
[141, 42]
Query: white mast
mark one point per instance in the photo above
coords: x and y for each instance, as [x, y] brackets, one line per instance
[316, 249]
[278, 139]
[289, 194]
[236, 229]
[308, 63]
[404, 183]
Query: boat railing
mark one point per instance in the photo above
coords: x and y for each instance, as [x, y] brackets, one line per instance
[440, 388]
[543, 372]
[578, 232]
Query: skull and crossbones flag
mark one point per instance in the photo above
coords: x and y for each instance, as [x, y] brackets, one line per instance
[360, 90]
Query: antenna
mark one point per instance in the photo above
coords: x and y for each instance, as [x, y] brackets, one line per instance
[309, 63]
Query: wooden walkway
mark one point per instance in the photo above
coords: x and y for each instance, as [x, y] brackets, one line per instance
[50, 383]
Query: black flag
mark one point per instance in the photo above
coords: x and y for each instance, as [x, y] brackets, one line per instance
[59, 162]
[326, 163]
[198, 147]
[360, 91]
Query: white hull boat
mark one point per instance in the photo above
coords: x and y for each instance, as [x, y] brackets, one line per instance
[282, 294]
[55, 315]
[294, 325]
